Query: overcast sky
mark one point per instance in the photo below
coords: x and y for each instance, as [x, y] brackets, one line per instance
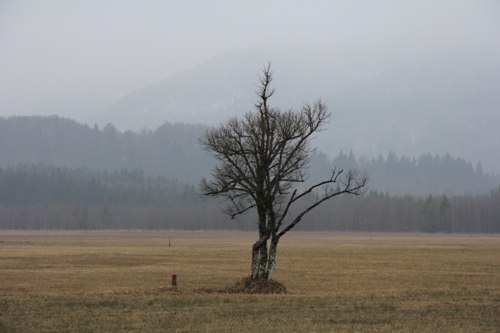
[77, 57]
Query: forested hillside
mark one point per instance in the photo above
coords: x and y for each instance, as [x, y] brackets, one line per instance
[58, 174]
[422, 175]
[172, 151]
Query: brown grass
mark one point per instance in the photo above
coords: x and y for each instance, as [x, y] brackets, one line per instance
[120, 282]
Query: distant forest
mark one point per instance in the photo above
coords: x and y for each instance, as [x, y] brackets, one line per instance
[58, 174]
[172, 151]
[36, 196]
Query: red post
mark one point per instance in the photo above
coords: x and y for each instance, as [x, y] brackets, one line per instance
[174, 280]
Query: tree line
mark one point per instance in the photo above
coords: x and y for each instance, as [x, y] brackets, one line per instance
[379, 212]
[173, 151]
[40, 196]
[422, 175]
[29, 184]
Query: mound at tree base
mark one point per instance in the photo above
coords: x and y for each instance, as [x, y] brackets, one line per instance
[247, 285]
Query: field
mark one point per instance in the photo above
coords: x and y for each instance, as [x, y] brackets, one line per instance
[120, 282]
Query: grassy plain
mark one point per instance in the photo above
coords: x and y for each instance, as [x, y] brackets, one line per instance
[118, 282]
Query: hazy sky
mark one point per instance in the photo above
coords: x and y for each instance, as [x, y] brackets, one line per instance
[77, 57]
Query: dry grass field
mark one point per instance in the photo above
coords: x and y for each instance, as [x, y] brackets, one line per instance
[119, 282]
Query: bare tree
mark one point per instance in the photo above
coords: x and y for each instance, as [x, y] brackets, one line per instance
[262, 158]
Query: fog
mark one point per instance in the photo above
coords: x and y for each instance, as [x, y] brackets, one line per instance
[76, 58]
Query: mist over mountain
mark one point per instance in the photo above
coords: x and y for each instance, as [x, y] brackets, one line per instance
[410, 77]
[445, 103]
[102, 104]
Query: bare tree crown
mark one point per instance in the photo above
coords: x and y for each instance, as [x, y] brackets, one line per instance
[263, 156]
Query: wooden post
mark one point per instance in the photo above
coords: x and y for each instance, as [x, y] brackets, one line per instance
[174, 280]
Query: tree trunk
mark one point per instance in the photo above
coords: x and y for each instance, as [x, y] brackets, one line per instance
[259, 249]
[255, 261]
[271, 264]
[263, 259]
[259, 256]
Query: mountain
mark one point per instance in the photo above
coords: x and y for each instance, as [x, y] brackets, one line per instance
[443, 104]
[223, 86]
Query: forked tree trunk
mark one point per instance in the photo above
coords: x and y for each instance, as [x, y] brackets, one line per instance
[259, 257]
[263, 259]
[271, 262]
